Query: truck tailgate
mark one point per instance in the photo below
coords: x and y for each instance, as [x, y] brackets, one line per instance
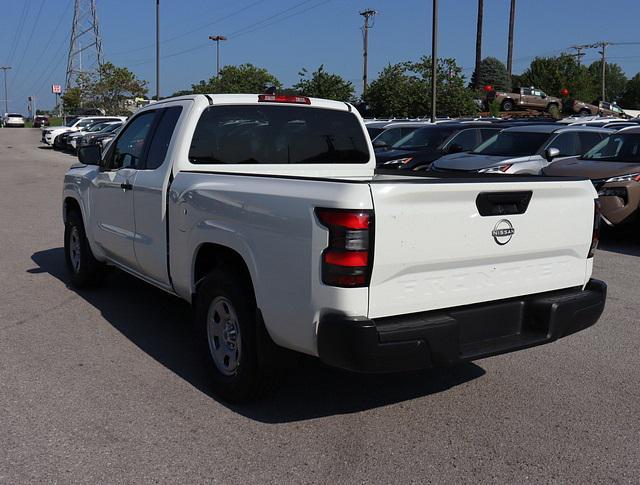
[433, 248]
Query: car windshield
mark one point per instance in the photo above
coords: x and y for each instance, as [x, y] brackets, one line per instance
[423, 138]
[512, 144]
[96, 127]
[373, 132]
[14, 115]
[616, 148]
[391, 135]
[85, 123]
[111, 128]
[71, 121]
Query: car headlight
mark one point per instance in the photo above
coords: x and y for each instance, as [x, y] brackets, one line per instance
[498, 169]
[399, 161]
[625, 178]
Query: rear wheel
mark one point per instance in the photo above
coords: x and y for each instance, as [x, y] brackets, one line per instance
[84, 269]
[551, 106]
[584, 112]
[507, 105]
[233, 338]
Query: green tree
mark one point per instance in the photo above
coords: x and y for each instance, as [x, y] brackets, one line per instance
[245, 78]
[404, 89]
[615, 80]
[72, 99]
[113, 85]
[631, 97]
[493, 73]
[552, 74]
[322, 84]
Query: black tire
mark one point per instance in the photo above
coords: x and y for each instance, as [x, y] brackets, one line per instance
[84, 269]
[507, 105]
[258, 371]
[56, 143]
[550, 106]
[584, 112]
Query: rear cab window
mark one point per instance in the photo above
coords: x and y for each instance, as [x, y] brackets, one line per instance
[271, 134]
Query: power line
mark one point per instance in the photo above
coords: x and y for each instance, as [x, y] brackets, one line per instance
[188, 32]
[241, 31]
[26, 49]
[36, 64]
[19, 28]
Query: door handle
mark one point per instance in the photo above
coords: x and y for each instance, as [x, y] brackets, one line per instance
[126, 186]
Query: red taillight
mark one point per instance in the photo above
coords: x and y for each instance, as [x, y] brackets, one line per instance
[281, 98]
[595, 238]
[347, 260]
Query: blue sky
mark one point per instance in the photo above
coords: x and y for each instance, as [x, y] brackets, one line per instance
[287, 35]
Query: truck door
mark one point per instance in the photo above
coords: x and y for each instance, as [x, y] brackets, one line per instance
[111, 193]
[150, 188]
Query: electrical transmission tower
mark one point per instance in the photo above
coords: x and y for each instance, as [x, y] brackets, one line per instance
[85, 48]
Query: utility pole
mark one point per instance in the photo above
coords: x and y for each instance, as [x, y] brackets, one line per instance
[434, 59]
[478, 41]
[579, 51]
[367, 14]
[217, 39]
[6, 96]
[512, 16]
[603, 53]
[157, 50]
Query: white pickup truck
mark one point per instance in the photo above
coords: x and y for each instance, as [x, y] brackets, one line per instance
[265, 212]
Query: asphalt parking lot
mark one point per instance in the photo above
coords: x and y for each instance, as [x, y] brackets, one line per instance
[105, 386]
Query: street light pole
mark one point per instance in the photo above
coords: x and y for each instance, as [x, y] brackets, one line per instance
[434, 59]
[217, 39]
[6, 96]
[157, 50]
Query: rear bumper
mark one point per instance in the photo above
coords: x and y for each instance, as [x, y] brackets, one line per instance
[445, 337]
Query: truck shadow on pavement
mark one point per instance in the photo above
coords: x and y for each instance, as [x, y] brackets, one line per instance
[621, 241]
[160, 325]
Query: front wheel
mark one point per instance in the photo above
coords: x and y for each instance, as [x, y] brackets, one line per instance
[584, 112]
[84, 269]
[507, 105]
[232, 336]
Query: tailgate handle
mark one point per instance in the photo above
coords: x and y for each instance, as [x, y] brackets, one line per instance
[503, 203]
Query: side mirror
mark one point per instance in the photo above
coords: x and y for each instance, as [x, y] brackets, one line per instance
[551, 153]
[455, 148]
[380, 144]
[90, 155]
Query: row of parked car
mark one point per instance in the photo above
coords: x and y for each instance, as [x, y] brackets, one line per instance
[606, 150]
[83, 130]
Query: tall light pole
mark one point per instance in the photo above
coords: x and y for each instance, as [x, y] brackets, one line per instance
[434, 59]
[6, 96]
[157, 50]
[217, 39]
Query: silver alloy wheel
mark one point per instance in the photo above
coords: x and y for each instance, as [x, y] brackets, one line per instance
[74, 249]
[223, 333]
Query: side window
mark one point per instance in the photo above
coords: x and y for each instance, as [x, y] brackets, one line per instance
[466, 139]
[567, 143]
[162, 137]
[526, 91]
[588, 141]
[129, 147]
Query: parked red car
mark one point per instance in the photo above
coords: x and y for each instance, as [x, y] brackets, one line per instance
[40, 121]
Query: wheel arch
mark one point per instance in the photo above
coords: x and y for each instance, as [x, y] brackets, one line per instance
[209, 256]
[70, 204]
